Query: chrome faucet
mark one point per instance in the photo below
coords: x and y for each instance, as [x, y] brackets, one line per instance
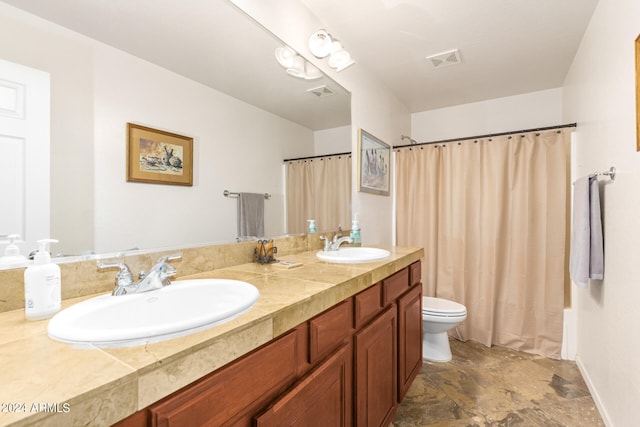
[156, 278]
[338, 239]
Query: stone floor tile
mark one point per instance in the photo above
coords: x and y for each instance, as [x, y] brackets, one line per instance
[497, 387]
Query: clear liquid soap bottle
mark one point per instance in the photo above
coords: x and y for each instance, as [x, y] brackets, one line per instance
[355, 232]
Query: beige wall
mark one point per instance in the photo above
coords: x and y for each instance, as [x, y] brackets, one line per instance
[331, 141]
[599, 94]
[511, 113]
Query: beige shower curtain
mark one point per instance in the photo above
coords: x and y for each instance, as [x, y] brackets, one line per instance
[319, 189]
[492, 215]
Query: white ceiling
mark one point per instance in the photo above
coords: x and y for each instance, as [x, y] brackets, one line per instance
[507, 47]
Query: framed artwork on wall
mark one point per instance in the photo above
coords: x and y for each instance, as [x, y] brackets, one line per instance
[374, 160]
[158, 157]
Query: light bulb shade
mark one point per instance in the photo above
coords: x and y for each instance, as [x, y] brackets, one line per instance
[345, 65]
[311, 71]
[336, 46]
[297, 69]
[320, 44]
[339, 59]
[285, 56]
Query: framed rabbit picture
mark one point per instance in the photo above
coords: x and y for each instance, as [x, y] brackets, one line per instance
[158, 157]
[373, 164]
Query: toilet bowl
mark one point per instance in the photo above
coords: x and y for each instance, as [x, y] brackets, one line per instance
[438, 316]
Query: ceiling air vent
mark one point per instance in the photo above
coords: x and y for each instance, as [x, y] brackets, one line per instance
[445, 59]
[321, 91]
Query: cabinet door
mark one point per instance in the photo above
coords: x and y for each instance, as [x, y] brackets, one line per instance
[233, 394]
[329, 330]
[395, 285]
[409, 338]
[321, 399]
[376, 370]
[367, 305]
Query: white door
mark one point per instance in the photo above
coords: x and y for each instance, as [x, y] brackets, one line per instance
[24, 153]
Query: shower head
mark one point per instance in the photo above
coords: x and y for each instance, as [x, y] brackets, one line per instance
[403, 137]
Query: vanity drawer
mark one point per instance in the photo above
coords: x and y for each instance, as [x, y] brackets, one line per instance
[234, 392]
[329, 329]
[395, 285]
[367, 304]
[415, 273]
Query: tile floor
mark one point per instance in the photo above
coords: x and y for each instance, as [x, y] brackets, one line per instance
[497, 387]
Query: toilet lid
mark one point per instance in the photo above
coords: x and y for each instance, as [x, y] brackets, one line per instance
[431, 305]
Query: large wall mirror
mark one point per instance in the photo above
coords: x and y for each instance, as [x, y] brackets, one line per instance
[200, 69]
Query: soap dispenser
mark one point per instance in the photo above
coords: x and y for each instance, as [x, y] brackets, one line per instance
[12, 257]
[355, 232]
[42, 292]
[312, 226]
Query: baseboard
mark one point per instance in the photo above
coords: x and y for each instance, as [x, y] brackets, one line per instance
[594, 394]
[569, 333]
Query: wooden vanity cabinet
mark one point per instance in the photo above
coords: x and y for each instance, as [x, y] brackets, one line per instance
[375, 355]
[410, 331]
[350, 365]
[409, 338]
[232, 395]
[388, 350]
[322, 398]
[329, 329]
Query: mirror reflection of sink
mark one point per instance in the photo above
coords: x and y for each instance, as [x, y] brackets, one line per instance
[181, 308]
[353, 254]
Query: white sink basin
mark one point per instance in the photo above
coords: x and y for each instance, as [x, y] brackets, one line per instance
[181, 308]
[354, 254]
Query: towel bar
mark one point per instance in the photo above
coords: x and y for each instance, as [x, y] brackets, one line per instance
[228, 193]
[611, 173]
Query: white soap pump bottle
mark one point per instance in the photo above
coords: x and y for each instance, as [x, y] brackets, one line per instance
[42, 292]
[12, 257]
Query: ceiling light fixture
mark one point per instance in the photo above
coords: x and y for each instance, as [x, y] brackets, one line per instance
[322, 44]
[285, 56]
[296, 65]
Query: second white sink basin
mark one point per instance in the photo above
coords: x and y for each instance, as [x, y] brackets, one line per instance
[354, 254]
[181, 308]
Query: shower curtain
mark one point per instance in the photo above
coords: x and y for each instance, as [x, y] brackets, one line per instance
[492, 215]
[319, 189]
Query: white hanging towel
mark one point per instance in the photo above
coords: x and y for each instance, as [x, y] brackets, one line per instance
[250, 215]
[586, 260]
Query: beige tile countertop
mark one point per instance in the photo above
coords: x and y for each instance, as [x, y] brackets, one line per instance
[48, 383]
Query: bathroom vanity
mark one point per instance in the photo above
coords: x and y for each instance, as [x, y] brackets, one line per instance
[350, 365]
[338, 344]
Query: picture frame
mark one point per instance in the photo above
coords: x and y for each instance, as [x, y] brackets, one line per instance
[637, 47]
[158, 157]
[374, 162]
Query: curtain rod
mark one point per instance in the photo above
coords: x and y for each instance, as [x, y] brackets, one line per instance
[317, 157]
[570, 125]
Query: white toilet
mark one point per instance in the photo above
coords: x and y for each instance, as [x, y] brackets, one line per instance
[438, 316]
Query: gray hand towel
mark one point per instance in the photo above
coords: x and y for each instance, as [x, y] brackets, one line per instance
[250, 215]
[586, 259]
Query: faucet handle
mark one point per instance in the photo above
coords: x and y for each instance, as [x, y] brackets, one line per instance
[172, 257]
[124, 276]
[327, 243]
